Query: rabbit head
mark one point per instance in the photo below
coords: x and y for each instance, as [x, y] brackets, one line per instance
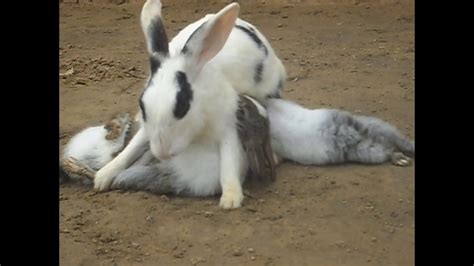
[171, 107]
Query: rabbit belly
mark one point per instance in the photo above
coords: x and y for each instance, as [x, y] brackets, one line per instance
[197, 170]
[297, 133]
[299, 141]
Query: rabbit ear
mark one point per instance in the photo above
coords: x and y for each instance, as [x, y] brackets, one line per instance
[210, 37]
[155, 34]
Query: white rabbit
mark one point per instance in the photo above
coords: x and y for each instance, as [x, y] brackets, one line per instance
[92, 148]
[190, 103]
[326, 136]
[176, 175]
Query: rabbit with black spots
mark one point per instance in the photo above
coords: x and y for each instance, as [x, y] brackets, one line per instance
[189, 106]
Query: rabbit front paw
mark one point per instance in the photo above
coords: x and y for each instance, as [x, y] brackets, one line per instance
[103, 179]
[231, 199]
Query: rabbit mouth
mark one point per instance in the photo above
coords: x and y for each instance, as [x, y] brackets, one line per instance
[165, 157]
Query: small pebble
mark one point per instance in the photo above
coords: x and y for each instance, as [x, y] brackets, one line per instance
[150, 219]
[61, 198]
[237, 252]
[250, 209]
[81, 81]
[195, 261]
[251, 250]
[179, 255]
[340, 244]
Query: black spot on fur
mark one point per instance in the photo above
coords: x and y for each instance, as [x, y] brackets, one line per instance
[252, 29]
[280, 85]
[142, 106]
[251, 33]
[184, 96]
[158, 37]
[257, 77]
[154, 64]
[158, 44]
[275, 95]
[185, 49]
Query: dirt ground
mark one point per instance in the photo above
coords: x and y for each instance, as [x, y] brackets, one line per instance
[353, 55]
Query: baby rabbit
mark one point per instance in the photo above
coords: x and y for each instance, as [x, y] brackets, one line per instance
[328, 136]
[190, 102]
[93, 147]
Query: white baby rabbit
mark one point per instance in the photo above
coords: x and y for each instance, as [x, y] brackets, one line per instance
[190, 103]
[327, 136]
[93, 147]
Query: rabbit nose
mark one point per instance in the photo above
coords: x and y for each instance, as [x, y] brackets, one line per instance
[164, 157]
[161, 153]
